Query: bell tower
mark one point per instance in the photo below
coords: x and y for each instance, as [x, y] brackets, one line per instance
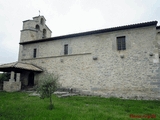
[34, 29]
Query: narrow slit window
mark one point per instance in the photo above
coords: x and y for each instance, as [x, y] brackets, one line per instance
[42, 21]
[121, 43]
[35, 53]
[44, 33]
[66, 49]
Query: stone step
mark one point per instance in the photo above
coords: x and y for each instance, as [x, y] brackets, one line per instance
[67, 95]
[34, 94]
[60, 93]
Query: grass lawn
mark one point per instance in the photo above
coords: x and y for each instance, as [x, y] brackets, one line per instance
[20, 106]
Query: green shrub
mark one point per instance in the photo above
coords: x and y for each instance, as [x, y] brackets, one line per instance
[4, 77]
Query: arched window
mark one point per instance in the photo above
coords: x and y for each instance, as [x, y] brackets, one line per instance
[42, 21]
[37, 27]
[44, 33]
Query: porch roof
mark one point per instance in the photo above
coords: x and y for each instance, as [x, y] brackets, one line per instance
[19, 67]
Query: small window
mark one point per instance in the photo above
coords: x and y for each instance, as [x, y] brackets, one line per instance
[44, 33]
[42, 21]
[34, 53]
[37, 27]
[66, 49]
[121, 43]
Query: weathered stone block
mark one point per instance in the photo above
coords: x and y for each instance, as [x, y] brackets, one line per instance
[155, 90]
[11, 86]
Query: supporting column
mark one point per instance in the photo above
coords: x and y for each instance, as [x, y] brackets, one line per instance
[12, 85]
[12, 76]
[18, 77]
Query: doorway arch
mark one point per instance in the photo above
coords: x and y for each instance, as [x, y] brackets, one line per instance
[31, 79]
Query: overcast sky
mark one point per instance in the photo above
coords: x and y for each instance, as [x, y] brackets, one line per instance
[69, 16]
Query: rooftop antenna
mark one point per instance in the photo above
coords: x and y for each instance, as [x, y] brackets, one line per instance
[39, 12]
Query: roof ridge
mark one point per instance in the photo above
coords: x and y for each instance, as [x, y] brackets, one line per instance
[15, 64]
[20, 66]
[30, 64]
[36, 66]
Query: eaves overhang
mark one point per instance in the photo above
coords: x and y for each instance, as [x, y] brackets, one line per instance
[132, 26]
[19, 67]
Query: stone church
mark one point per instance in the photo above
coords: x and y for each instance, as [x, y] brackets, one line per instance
[121, 61]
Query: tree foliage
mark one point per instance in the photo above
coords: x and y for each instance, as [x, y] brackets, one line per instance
[4, 77]
[47, 86]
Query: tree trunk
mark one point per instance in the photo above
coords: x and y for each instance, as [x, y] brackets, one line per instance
[51, 103]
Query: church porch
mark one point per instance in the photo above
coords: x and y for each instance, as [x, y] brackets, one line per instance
[21, 74]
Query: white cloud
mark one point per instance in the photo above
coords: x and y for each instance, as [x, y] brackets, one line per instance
[77, 20]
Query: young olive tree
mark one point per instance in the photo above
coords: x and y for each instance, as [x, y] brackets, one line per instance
[47, 86]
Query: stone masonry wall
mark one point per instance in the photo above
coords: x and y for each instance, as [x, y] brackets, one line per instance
[11, 86]
[135, 75]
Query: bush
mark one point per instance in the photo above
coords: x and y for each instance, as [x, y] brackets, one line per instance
[4, 77]
[47, 86]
